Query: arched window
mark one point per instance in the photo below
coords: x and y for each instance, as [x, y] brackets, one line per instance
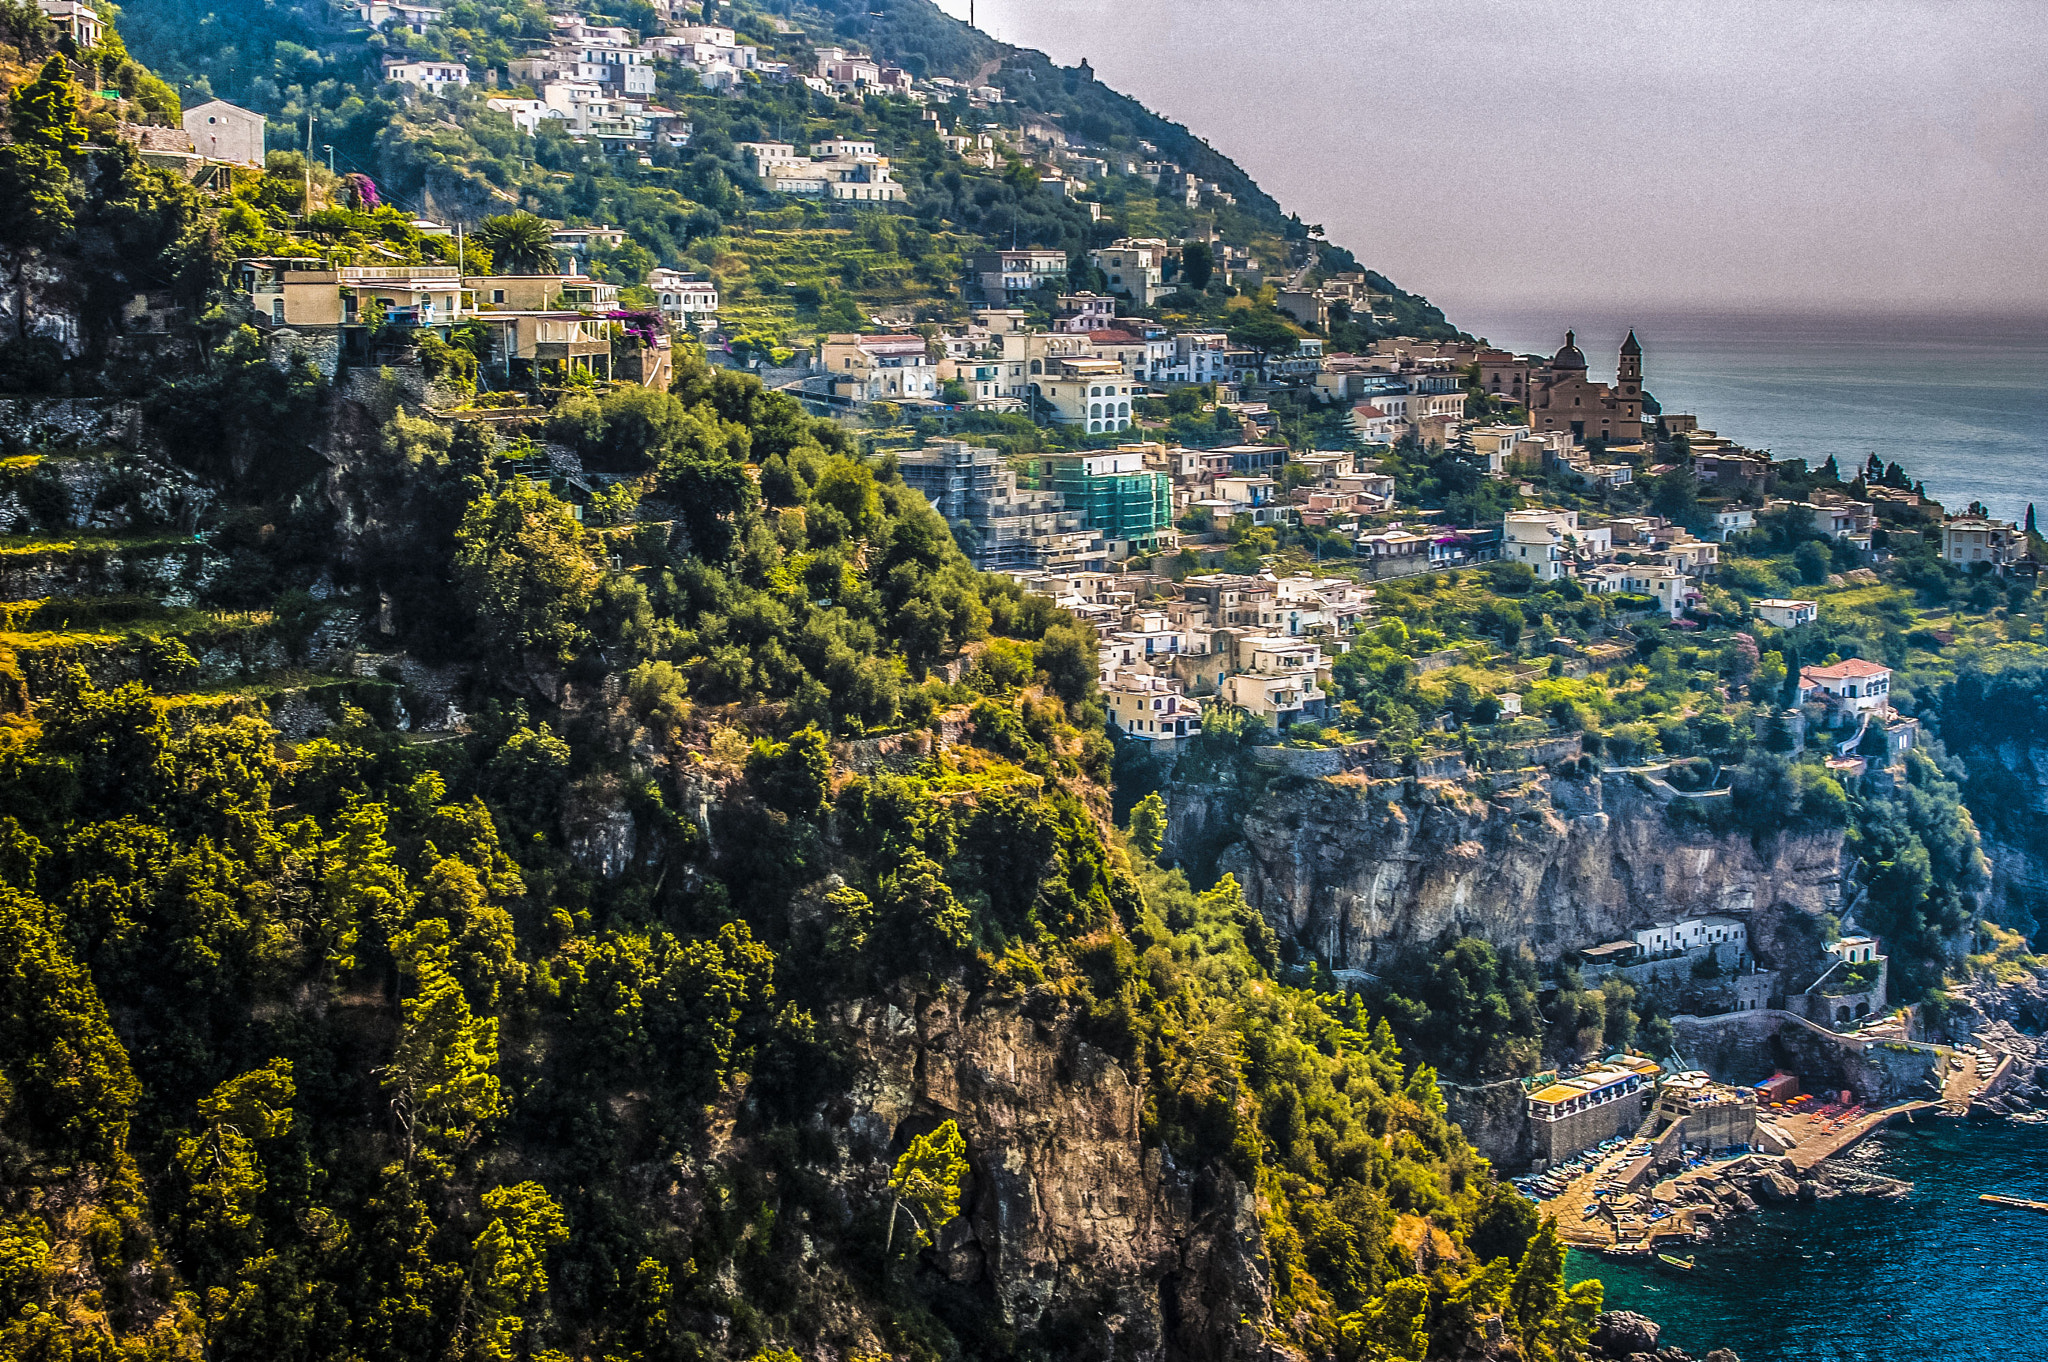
[1094, 427]
[1037, 367]
[1123, 409]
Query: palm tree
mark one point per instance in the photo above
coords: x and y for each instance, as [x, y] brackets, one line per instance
[518, 243]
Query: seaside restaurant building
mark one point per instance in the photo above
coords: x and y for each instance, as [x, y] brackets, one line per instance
[1567, 1115]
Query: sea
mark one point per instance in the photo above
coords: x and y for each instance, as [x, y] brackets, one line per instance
[1960, 402]
[1939, 1275]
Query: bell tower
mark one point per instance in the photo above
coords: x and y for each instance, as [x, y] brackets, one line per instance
[1628, 390]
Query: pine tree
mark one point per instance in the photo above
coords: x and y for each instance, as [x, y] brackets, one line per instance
[926, 1181]
[1553, 1323]
[2031, 531]
[1148, 826]
[44, 112]
[510, 1268]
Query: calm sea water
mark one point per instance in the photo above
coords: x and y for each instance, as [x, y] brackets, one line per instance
[1961, 402]
[1941, 1276]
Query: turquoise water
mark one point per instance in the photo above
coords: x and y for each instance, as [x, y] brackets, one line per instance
[1940, 1276]
[1961, 402]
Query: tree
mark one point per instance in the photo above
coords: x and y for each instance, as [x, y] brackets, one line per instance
[1812, 561]
[1553, 1323]
[510, 1266]
[519, 243]
[1504, 1226]
[441, 1076]
[35, 207]
[1266, 331]
[523, 568]
[58, 1050]
[926, 1182]
[44, 112]
[1224, 902]
[1767, 683]
[1197, 265]
[793, 776]
[1067, 657]
[1148, 826]
[223, 1177]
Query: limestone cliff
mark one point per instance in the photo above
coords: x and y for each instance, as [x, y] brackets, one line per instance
[1358, 867]
[1070, 1221]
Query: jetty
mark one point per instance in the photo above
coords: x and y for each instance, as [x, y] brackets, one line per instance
[2017, 1203]
[1831, 1139]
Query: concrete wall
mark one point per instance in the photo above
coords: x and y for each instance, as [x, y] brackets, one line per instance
[1744, 1047]
[1552, 1141]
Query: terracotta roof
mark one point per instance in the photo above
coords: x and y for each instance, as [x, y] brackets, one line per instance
[1367, 410]
[1845, 670]
[1112, 338]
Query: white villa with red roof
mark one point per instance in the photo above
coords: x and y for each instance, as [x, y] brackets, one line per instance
[1853, 686]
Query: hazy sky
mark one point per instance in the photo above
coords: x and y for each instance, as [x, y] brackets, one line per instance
[1494, 155]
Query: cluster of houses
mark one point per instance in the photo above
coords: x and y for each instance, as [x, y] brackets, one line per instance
[537, 324]
[1169, 650]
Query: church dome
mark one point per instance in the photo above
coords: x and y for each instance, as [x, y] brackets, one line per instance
[1569, 357]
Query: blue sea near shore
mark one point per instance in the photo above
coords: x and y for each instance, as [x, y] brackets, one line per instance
[1959, 402]
[1938, 1276]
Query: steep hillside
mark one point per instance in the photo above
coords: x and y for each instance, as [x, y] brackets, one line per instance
[442, 919]
[314, 71]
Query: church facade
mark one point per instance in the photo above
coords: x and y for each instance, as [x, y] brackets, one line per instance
[1562, 398]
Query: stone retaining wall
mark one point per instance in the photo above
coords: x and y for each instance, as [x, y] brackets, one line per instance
[69, 423]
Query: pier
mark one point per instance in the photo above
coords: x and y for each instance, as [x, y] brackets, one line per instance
[1816, 1146]
[2017, 1203]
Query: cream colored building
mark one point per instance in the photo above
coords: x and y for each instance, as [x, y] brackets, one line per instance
[1091, 393]
[222, 132]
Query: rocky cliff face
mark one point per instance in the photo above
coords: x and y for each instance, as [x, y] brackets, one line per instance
[2015, 832]
[1358, 868]
[1070, 1222]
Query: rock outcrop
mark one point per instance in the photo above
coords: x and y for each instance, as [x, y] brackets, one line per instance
[1069, 1217]
[1358, 869]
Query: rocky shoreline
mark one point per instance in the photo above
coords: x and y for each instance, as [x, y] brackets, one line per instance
[1709, 1197]
[1624, 1336]
[2004, 1019]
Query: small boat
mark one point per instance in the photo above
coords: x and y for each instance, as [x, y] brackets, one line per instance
[1678, 1264]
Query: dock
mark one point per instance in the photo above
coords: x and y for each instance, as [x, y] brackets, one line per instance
[2017, 1203]
[1825, 1144]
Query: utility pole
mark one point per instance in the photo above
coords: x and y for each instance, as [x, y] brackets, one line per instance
[328, 147]
[309, 158]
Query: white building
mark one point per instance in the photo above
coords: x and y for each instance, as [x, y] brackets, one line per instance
[1787, 614]
[684, 298]
[881, 368]
[1969, 540]
[1671, 589]
[76, 20]
[1277, 683]
[434, 76]
[1095, 393]
[1134, 266]
[1852, 686]
[1693, 933]
[1728, 524]
[1151, 708]
[222, 132]
[1541, 541]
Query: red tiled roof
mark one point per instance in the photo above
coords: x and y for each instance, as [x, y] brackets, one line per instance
[1845, 670]
[1112, 338]
[1367, 410]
